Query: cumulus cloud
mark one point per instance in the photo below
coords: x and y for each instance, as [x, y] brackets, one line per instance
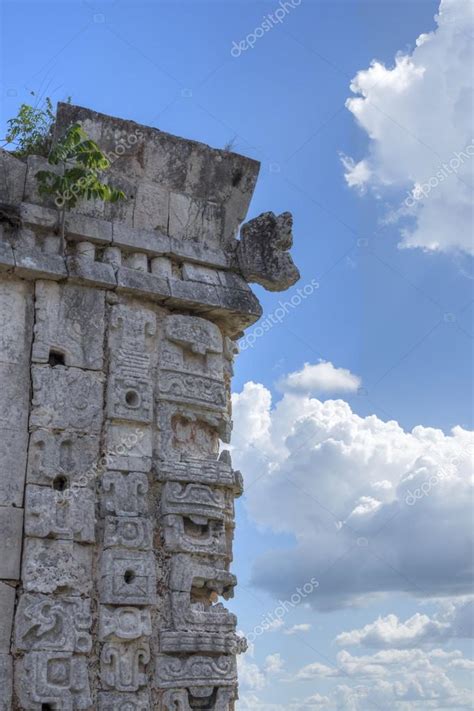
[321, 377]
[296, 629]
[409, 679]
[417, 115]
[454, 621]
[274, 664]
[372, 508]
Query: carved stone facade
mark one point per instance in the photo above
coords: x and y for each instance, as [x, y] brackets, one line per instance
[116, 350]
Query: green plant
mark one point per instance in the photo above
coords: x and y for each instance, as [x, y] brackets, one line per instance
[81, 162]
[31, 130]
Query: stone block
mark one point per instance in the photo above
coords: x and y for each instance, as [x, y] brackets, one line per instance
[124, 495]
[63, 459]
[57, 566]
[58, 623]
[199, 253]
[55, 680]
[127, 578]
[14, 395]
[13, 450]
[124, 623]
[70, 322]
[140, 283]
[16, 321]
[128, 532]
[123, 665]
[31, 192]
[151, 206]
[37, 216]
[195, 671]
[83, 270]
[51, 514]
[192, 389]
[144, 240]
[128, 447]
[12, 178]
[35, 264]
[67, 398]
[6, 682]
[195, 272]
[82, 227]
[116, 701]
[188, 432]
[7, 260]
[196, 220]
[11, 533]
[7, 609]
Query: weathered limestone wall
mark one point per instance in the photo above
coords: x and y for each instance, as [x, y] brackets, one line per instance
[116, 351]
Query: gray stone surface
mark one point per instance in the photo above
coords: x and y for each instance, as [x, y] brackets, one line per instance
[56, 566]
[11, 529]
[195, 671]
[70, 321]
[123, 665]
[124, 623]
[124, 494]
[58, 623]
[49, 513]
[116, 701]
[69, 456]
[7, 608]
[128, 578]
[128, 532]
[13, 450]
[6, 682]
[59, 679]
[66, 398]
[12, 178]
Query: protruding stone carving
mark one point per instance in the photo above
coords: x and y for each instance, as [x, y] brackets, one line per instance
[69, 323]
[50, 513]
[195, 671]
[212, 472]
[127, 578]
[124, 623]
[55, 679]
[212, 698]
[195, 534]
[123, 665]
[195, 499]
[262, 253]
[67, 398]
[124, 494]
[203, 642]
[53, 623]
[195, 588]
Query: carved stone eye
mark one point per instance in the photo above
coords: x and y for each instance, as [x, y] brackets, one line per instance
[129, 576]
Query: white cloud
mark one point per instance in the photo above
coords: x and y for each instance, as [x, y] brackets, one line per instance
[455, 620]
[406, 680]
[296, 629]
[322, 377]
[274, 664]
[418, 115]
[355, 493]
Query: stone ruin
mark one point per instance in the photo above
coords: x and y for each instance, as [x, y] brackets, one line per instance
[116, 350]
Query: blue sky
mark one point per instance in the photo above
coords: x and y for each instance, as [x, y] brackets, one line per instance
[398, 319]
